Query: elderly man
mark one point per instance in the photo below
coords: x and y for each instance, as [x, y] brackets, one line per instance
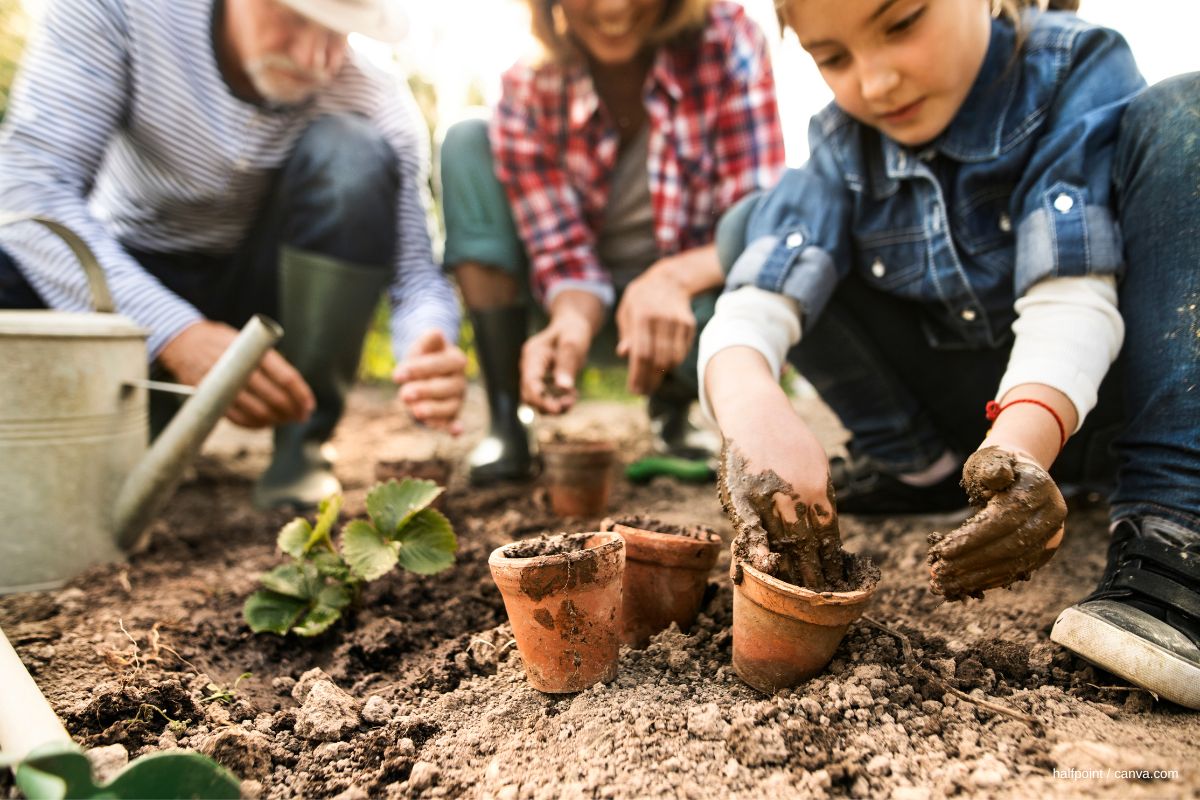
[223, 158]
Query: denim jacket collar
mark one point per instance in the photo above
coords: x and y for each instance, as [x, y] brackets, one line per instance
[980, 127]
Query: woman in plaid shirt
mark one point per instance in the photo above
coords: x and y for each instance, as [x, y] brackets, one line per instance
[599, 181]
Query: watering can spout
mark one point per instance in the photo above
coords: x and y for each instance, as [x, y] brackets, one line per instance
[151, 482]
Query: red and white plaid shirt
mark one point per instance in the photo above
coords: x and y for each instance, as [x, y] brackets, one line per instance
[714, 137]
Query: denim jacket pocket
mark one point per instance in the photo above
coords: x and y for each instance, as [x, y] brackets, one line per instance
[984, 223]
[893, 259]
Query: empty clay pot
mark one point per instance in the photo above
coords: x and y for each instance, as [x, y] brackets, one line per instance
[666, 573]
[784, 634]
[579, 476]
[563, 598]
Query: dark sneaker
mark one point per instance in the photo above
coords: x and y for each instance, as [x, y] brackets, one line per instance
[1143, 622]
[863, 486]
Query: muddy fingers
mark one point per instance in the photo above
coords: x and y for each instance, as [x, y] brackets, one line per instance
[1013, 535]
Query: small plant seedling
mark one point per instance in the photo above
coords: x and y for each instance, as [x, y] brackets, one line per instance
[308, 594]
[222, 694]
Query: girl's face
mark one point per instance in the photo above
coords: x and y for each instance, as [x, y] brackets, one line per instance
[612, 31]
[902, 66]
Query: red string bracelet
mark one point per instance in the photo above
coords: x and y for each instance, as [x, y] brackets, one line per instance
[994, 409]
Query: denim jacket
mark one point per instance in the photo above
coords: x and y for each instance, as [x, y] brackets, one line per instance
[1016, 189]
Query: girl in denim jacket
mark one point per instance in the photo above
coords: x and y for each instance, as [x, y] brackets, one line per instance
[995, 214]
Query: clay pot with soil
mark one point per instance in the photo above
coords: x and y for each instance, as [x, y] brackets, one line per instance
[795, 590]
[666, 574]
[578, 476]
[563, 598]
[437, 470]
[784, 634]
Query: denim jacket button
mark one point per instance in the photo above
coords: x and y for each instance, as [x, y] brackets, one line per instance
[1006, 223]
[794, 240]
[1064, 203]
[878, 269]
[968, 314]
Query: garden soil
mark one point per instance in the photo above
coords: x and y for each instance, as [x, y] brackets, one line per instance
[420, 692]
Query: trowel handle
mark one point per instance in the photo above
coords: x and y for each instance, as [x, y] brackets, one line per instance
[26, 719]
[101, 298]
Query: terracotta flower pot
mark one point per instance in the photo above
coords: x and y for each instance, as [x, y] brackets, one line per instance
[563, 598]
[579, 476]
[784, 634]
[666, 573]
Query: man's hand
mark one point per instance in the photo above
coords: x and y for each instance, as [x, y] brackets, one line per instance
[1017, 531]
[274, 394]
[655, 326]
[433, 381]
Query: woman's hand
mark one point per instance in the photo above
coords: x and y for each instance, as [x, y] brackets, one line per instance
[655, 327]
[1017, 531]
[655, 322]
[433, 381]
[551, 359]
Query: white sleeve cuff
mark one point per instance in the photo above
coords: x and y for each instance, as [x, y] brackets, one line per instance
[1067, 334]
[749, 317]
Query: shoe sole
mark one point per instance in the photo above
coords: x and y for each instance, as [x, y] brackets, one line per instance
[1131, 657]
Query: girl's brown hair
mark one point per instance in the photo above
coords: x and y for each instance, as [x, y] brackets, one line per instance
[1009, 9]
[679, 17]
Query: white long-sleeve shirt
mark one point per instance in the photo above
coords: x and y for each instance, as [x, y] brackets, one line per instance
[121, 127]
[1067, 334]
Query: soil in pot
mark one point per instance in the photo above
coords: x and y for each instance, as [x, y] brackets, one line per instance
[578, 476]
[563, 598]
[795, 590]
[666, 573]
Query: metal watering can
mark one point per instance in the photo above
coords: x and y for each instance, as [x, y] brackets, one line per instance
[78, 483]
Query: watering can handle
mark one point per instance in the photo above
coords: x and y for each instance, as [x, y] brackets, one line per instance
[101, 298]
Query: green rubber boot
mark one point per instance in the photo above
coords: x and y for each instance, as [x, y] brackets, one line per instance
[505, 454]
[325, 307]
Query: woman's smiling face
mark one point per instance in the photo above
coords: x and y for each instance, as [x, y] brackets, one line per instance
[902, 66]
[612, 31]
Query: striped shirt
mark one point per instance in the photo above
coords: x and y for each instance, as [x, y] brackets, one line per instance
[714, 137]
[121, 127]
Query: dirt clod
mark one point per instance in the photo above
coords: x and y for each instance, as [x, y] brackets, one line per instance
[328, 713]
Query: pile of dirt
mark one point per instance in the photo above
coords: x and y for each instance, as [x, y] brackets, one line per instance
[421, 692]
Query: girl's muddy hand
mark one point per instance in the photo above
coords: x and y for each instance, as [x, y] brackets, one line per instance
[1016, 532]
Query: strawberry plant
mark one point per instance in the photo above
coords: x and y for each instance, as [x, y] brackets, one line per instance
[308, 594]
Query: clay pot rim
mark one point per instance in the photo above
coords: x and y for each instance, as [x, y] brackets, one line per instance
[808, 596]
[579, 447]
[710, 536]
[600, 550]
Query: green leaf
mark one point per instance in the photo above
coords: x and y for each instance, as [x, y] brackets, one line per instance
[329, 565]
[327, 514]
[392, 504]
[298, 579]
[317, 621]
[267, 611]
[336, 596]
[293, 537]
[427, 543]
[368, 554]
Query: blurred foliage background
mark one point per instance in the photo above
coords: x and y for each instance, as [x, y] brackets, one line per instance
[14, 28]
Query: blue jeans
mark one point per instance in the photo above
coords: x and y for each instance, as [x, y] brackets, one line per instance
[335, 195]
[872, 359]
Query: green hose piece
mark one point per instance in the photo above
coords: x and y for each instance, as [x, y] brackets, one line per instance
[684, 469]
